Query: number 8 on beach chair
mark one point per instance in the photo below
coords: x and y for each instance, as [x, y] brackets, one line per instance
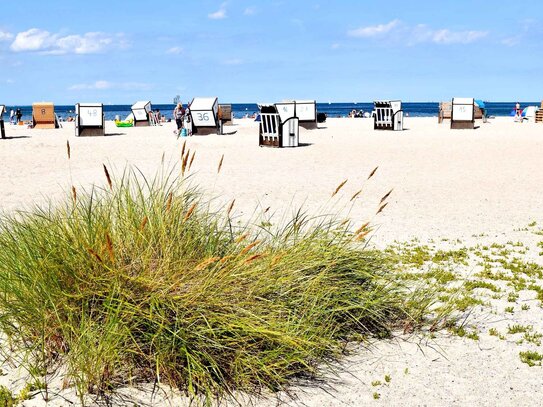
[43, 116]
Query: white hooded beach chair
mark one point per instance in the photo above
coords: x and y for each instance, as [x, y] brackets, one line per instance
[89, 119]
[387, 115]
[276, 130]
[463, 113]
[204, 113]
[304, 110]
[140, 113]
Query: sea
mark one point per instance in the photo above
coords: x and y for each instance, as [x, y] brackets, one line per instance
[240, 110]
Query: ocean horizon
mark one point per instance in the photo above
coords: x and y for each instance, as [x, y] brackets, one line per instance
[240, 110]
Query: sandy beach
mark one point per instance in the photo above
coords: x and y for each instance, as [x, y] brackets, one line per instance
[451, 189]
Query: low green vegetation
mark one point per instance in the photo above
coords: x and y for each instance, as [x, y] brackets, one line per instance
[531, 358]
[141, 281]
[6, 397]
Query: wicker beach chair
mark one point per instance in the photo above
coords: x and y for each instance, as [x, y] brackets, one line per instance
[387, 115]
[140, 113]
[274, 131]
[43, 116]
[445, 110]
[204, 113]
[89, 119]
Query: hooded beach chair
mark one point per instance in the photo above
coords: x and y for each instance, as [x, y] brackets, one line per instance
[304, 110]
[43, 116]
[204, 113]
[463, 113]
[387, 115]
[445, 110]
[539, 114]
[89, 119]
[140, 113]
[276, 130]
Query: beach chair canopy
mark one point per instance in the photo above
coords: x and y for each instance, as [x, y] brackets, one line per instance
[141, 109]
[90, 114]
[2, 110]
[304, 110]
[204, 111]
[463, 109]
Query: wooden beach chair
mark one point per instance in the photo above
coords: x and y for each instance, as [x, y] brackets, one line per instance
[89, 119]
[445, 110]
[2, 128]
[204, 113]
[463, 113]
[539, 114]
[43, 116]
[304, 110]
[140, 113]
[225, 114]
[276, 132]
[387, 115]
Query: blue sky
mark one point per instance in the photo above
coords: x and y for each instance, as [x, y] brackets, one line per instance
[250, 51]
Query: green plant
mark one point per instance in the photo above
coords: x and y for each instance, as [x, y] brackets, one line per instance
[141, 280]
[6, 397]
[388, 378]
[531, 358]
[376, 383]
[376, 396]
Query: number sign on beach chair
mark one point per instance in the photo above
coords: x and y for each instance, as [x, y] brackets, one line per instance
[2, 129]
[205, 116]
[89, 119]
[274, 131]
[387, 115]
[140, 112]
[304, 110]
[463, 113]
[43, 116]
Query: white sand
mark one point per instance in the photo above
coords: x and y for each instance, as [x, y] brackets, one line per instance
[479, 186]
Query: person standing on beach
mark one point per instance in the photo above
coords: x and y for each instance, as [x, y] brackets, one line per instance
[518, 112]
[19, 115]
[178, 114]
[12, 116]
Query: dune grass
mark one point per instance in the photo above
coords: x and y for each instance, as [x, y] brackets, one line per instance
[141, 281]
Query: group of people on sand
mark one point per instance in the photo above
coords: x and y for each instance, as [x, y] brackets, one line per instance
[182, 120]
[15, 116]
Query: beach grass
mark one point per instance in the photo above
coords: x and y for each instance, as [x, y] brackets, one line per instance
[141, 281]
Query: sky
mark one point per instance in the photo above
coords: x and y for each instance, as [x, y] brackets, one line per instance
[118, 52]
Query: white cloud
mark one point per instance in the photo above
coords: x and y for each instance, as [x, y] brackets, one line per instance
[5, 36]
[175, 50]
[373, 30]
[249, 11]
[105, 85]
[457, 37]
[36, 40]
[219, 14]
[421, 33]
[98, 85]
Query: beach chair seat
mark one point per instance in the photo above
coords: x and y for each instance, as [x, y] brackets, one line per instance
[387, 115]
[43, 116]
[89, 119]
[225, 114]
[274, 131]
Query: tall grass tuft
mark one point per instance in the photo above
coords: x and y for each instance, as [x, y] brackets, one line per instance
[141, 281]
